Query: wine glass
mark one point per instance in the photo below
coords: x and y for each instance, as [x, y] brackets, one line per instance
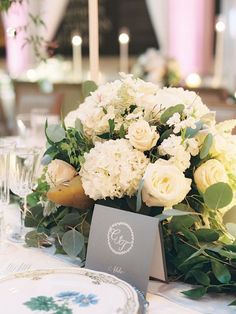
[25, 162]
[5, 150]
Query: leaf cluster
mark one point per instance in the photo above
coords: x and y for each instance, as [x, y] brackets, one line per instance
[66, 144]
[196, 256]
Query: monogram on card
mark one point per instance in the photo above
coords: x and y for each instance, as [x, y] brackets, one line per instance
[122, 243]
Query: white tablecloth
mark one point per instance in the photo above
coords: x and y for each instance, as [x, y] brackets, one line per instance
[162, 297]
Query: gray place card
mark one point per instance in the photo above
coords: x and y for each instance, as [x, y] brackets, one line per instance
[122, 243]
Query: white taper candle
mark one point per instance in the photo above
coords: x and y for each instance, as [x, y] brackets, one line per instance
[93, 40]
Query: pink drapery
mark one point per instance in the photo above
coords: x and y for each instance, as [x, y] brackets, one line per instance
[19, 56]
[190, 36]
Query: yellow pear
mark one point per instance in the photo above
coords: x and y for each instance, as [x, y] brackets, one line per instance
[70, 194]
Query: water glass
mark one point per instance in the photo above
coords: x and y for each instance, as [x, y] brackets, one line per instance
[38, 120]
[5, 151]
[25, 162]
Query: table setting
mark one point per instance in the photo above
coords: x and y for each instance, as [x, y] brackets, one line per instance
[124, 205]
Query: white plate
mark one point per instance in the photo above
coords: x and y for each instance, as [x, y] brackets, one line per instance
[66, 291]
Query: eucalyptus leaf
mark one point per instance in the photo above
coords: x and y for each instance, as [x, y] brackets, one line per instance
[71, 219]
[111, 125]
[190, 236]
[229, 255]
[200, 277]
[104, 136]
[34, 216]
[55, 133]
[230, 247]
[36, 239]
[139, 196]
[46, 160]
[196, 293]
[221, 272]
[168, 113]
[207, 235]
[88, 87]
[79, 125]
[172, 212]
[233, 303]
[190, 132]
[122, 131]
[195, 254]
[206, 146]
[166, 134]
[72, 242]
[178, 222]
[218, 195]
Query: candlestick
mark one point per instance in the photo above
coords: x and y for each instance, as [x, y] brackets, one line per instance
[219, 53]
[124, 51]
[93, 40]
[77, 56]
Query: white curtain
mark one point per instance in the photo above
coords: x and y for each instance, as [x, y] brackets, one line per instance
[229, 64]
[52, 12]
[158, 11]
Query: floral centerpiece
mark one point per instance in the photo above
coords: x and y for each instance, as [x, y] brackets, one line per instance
[153, 67]
[158, 152]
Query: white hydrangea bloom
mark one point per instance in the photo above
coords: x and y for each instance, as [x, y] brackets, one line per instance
[170, 145]
[192, 146]
[179, 151]
[112, 169]
[174, 120]
[181, 159]
[123, 101]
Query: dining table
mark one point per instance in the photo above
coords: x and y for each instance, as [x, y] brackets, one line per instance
[162, 297]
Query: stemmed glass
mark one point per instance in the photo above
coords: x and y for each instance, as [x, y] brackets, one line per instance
[24, 166]
[5, 150]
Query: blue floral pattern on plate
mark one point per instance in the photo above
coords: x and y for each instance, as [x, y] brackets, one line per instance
[60, 304]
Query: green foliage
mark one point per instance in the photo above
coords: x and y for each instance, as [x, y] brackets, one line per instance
[55, 133]
[5, 4]
[193, 132]
[68, 145]
[72, 242]
[139, 196]
[206, 235]
[88, 87]
[37, 239]
[218, 195]
[196, 293]
[166, 134]
[206, 146]
[122, 131]
[198, 257]
[173, 212]
[177, 223]
[170, 111]
[221, 272]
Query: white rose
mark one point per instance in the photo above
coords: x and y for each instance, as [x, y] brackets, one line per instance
[211, 172]
[164, 184]
[142, 136]
[58, 172]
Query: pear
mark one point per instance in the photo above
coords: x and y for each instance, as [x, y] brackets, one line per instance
[70, 194]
